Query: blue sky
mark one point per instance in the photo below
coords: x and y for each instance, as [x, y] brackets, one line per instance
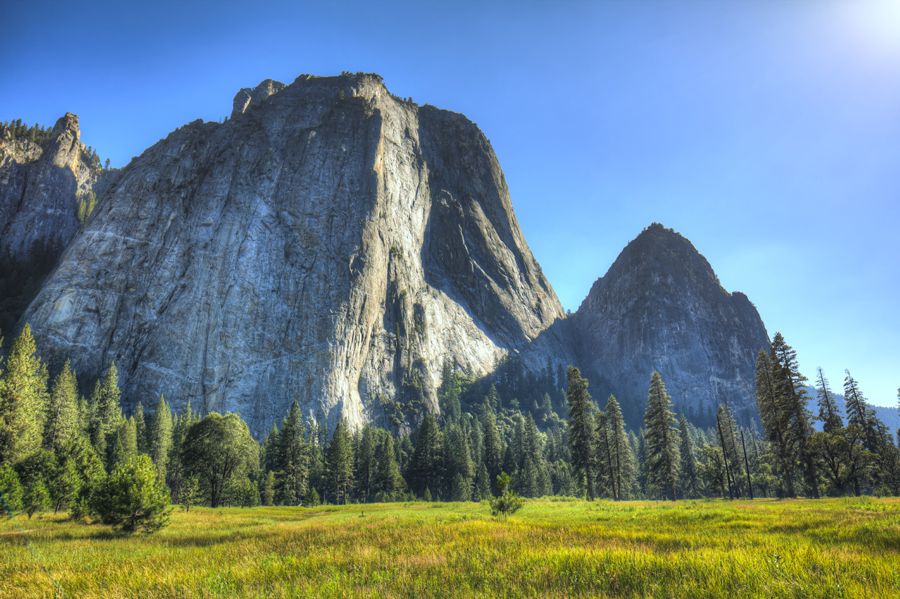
[767, 132]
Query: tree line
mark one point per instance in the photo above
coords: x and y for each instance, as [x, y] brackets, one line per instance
[60, 450]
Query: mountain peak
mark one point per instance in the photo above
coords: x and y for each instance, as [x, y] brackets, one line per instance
[660, 306]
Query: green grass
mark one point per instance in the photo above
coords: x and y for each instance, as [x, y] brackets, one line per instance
[828, 548]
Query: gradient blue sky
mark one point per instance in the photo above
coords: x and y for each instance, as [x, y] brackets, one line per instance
[767, 132]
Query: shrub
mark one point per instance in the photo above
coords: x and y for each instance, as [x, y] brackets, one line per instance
[508, 502]
[131, 499]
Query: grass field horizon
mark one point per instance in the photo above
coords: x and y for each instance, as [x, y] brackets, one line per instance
[551, 548]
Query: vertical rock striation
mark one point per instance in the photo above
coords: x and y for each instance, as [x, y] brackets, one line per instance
[328, 243]
[661, 307]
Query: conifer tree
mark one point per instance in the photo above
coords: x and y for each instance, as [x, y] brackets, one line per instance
[339, 464]
[727, 431]
[793, 399]
[268, 490]
[581, 430]
[461, 468]
[270, 450]
[128, 431]
[161, 436]
[620, 453]
[140, 424]
[109, 411]
[662, 439]
[11, 493]
[533, 447]
[482, 483]
[387, 478]
[775, 418]
[493, 448]
[828, 409]
[293, 466]
[690, 478]
[426, 468]
[23, 400]
[860, 414]
[62, 409]
[365, 465]
[604, 472]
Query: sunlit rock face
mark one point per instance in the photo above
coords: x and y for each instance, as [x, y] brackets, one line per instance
[328, 243]
[39, 188]
[661, 307]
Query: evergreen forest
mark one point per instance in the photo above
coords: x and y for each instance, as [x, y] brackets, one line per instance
[539, 434]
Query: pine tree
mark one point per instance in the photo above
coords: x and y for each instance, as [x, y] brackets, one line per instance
[448, 393]
[482, 483]
[62, 409]
[581, 430]
[604, 472]
[662, 439]
[128, 432]
[860, 414]
[37, 498]
[828, 410]
[533, 447]
[11, 494]
[620, 452]
[793, 399]
[387, 478]
[426, 468]
[109, 411]
[493, 448]
[461, 469]
[775, 418]
[293, 464]
[365, 465]
[140, 424]
[270, 450]
[339, 464]
[268, 490]
[690, 478]
[161, 436]
[23, 400]
[66, 483]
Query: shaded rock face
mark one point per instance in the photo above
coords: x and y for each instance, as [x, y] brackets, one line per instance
[39, 187]
[661, 307]
[329, 243]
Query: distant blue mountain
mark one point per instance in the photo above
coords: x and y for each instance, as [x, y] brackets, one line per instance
[889, 416]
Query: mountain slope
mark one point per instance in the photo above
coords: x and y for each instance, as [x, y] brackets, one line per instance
[328, 243]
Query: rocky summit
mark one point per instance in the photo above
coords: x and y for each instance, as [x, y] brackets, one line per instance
[661, 307]
[329, 243]
[40, 186]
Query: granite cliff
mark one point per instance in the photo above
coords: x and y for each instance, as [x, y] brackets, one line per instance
[661, 307]
[40, 186]
[334, 244]
[329, 243]
[44, 175]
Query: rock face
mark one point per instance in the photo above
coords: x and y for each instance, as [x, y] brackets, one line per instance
[661, 307]
[39, 187]
[328, 243]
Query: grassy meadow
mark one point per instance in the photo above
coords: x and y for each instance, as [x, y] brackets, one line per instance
[764, 548]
